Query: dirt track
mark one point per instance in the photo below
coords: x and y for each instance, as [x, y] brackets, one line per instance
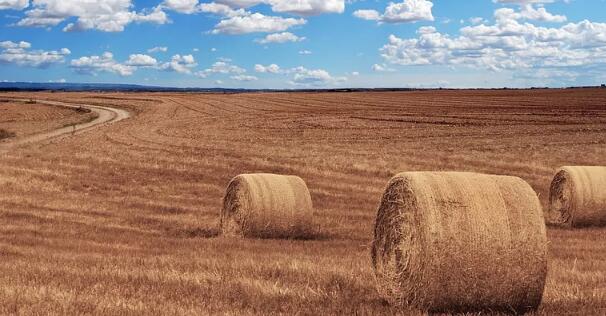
[106, 115]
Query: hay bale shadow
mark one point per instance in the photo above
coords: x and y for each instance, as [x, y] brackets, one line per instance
[200, 232]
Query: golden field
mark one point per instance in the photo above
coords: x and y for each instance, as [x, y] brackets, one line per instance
[123, 219]
[28, 117]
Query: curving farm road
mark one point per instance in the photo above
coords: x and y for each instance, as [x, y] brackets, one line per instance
[106, 115]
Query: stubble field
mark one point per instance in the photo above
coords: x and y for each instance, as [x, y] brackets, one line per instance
[23, 118]
[123, 219]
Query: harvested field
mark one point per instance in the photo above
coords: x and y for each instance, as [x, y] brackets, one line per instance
[124, 218]
[27, 118]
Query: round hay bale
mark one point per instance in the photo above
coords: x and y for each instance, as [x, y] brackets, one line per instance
[577, 196]
[267, 206]
[460, 242]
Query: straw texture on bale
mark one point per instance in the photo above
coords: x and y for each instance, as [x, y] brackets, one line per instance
[578, 196]
[267, 206]
[452, 241]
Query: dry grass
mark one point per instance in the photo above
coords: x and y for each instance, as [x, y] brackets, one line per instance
[123, 219]
[24, 118]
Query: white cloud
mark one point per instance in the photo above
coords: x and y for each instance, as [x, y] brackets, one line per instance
[302, 76]
[240, 3]
[13, 4]
[180, 63]
[372, 15]
[182, 6]
[103, 15]
[221, 9]
[381, 68]
[254, 23]
[11, 45]
[508, 44]
[299, 7]
[223, 66]
[522, 2]
[305, 52]
[476, 20]
[244, 78]
[141, 60]
[157, 49]
[21, 55]
[232, 8]
[540, 14]
[308, 7]
[273, 68]
[105, 63]
[405, 12]
[280, 38]
[314, 77]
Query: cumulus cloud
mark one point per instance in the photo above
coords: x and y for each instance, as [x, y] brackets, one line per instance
[314, 77]
[182, 64]
[510, 43]
[299, 7]
[280, 38]
[222, 66]
[540, 14]
[244, 78]
[237, 20]
[182, 6]
[371, 15]
[91, 65]
[236, 7]
[221, 9]
[381, 68]
[157, 49]
[302, 76]
[404, 12]
[273, 68]
[307, 7]
[141, 60]
[255, 23]
[103, 15]
[13, 4]
[522, 2]
[20, 54]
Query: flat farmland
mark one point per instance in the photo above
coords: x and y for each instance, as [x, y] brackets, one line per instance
[24, 118]
[123, 219]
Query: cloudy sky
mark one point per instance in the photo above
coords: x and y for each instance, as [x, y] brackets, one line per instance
[305, 43]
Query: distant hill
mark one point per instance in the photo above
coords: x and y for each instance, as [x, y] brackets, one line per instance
[39, 86]
[109, 87]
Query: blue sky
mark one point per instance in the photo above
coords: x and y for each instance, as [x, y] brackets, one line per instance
[305, 43]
